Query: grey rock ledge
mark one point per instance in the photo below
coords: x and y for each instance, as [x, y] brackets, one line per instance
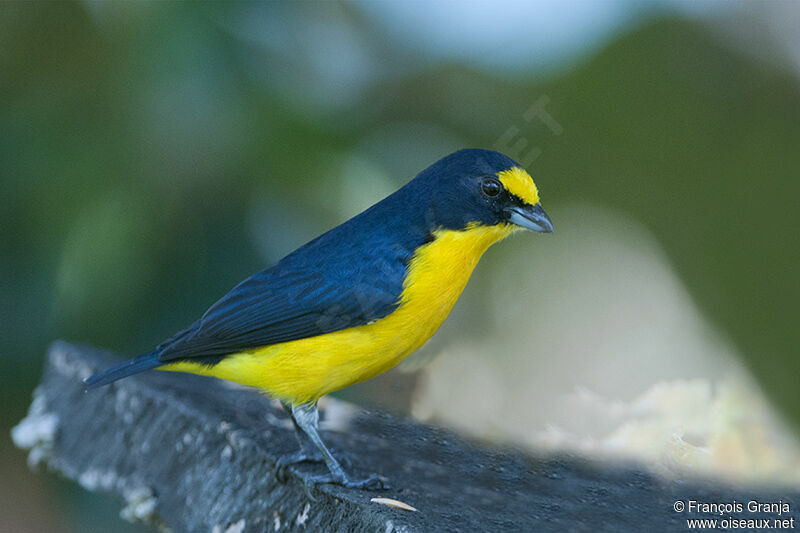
[188, 453]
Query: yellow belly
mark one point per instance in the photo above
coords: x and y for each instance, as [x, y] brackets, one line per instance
[303, 370]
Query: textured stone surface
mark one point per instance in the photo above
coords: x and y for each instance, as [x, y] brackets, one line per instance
[196, 454]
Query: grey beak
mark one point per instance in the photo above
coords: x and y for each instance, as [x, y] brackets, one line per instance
[530, 217]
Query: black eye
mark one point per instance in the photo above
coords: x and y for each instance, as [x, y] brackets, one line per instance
[491, 187]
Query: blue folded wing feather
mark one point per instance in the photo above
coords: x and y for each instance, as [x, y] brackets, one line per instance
[320, 288]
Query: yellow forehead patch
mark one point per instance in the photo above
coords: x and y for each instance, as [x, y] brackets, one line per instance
[520, 184]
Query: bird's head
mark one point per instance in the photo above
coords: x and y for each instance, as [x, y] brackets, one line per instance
[482, 188]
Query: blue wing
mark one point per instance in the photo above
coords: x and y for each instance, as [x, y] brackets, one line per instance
[320, 288]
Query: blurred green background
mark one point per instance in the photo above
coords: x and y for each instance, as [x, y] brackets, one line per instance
[152, 155]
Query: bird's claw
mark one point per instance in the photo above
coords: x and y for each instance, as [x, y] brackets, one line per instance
[301, 456]
[370, 483]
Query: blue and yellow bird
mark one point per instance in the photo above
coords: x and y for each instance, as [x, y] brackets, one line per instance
[355, 301]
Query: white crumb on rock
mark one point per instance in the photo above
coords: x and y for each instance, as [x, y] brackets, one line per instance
[36, 432]
[140, 505]
[60, 360]
[94, 480]
[392, 528]
[227, 452]
[302, 518]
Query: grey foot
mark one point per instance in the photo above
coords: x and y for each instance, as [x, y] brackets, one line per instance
[284, 462]
[370, 483]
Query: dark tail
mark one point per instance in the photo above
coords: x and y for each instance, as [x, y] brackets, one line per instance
[123, 370]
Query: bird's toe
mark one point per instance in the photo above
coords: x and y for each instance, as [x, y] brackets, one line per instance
[285, 462]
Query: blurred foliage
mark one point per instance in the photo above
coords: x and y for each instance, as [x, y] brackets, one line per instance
[154, 154]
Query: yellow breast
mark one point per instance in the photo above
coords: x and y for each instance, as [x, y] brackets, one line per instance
[306, 369]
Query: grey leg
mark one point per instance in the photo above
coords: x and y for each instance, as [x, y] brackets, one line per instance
[306, 416]
[306, 446]
[307, 453]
